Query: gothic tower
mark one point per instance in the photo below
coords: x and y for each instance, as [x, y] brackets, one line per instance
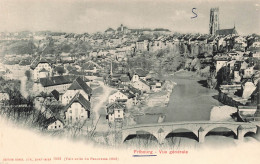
[214, 21]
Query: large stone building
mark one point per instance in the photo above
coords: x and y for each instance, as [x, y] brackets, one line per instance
[214, 27]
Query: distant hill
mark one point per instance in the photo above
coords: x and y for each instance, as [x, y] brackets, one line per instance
[20, 47]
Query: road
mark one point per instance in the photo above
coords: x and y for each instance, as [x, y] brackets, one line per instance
[102, 98]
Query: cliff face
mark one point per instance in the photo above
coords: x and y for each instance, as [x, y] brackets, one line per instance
[193, 57]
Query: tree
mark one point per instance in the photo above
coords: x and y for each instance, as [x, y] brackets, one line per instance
[60, 70]
[28, 74]
[223, 76]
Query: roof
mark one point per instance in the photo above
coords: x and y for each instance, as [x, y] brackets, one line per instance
[115, 105]
[56, 94]
[80, 99]
[134, 90]
[80, 84]
[50, 121]
[37, 61]
[124, 78]
[128, 94]
[140, 72]
[146, 83]
[57, 80]
[247, 107]
[226, 31]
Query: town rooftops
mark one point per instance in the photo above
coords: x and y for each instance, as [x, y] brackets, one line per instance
[80, 84]
[80, 99]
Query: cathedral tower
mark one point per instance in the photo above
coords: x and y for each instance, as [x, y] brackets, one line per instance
[214, 21]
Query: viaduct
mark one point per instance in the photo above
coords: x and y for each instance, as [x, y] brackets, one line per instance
[199, 128]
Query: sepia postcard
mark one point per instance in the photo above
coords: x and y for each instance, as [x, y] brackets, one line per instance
[129, 81]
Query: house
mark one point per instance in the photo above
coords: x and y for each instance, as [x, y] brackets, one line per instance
[80, 86]
[248, 88]
[141, 85]
[77, 110]
[3, 96]
[221, 62]
[139, 74]
[41, 68]
[248, 72]
[124, 79]
[117, 96]
[53, 123]
[115, 112]
[156, 85]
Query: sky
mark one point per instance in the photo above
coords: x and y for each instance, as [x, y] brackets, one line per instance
[90, 16]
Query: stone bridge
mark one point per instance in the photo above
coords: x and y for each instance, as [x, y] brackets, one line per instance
[199, 128]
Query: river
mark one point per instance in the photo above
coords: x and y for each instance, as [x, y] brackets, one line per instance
[189, 101]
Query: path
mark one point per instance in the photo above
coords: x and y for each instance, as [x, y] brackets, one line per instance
[23, 86]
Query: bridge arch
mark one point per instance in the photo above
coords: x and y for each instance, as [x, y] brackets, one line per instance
[219, 127]
[127, 136]
[183, 133]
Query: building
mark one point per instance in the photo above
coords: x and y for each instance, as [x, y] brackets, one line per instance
[80, 86]
[115, 112]
[110, 31]
[225, 32]
[77, 110]
[53, 123]
[221, 62]
[41, 68]
[248, 88]
[141, 85]
[139, 74]
[48, 84]
[214, 21]
[3, 96]
[117, 96]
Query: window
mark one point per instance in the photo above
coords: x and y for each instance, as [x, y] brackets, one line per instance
[118, 115]
[55, 127]
[70, 111]
[59, 126]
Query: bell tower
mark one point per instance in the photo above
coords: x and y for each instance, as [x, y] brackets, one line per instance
[214, 21]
